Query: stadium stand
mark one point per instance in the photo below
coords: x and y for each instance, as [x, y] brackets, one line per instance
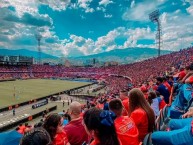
[168, 128]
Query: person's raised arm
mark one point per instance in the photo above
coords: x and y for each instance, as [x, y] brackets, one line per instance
[187, 76]
[189, 113]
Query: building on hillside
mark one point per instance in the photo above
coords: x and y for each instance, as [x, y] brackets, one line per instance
[67, 63]
[111, 63]
[16, 60]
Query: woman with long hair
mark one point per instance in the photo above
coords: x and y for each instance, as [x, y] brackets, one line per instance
[141, 113]
[99, 124]
[54, 126]
[154, 102]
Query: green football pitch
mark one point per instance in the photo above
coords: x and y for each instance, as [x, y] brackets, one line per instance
[25, 90]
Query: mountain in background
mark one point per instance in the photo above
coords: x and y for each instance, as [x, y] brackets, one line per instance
[25, 52]
[128, 55]
[123, 56]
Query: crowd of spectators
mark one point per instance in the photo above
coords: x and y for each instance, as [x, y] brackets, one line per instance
[139, 72]
[125, 114]
[125, 119]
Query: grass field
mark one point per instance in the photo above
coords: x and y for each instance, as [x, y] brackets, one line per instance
[31, 89]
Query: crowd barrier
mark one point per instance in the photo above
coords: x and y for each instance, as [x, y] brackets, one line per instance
[5, 80]
[13, 123]
[84, 96]
[42, 103]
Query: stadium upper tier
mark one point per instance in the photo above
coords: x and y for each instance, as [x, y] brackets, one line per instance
[139, 72]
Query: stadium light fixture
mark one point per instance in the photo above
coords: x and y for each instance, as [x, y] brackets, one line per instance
[154, 17]
[38, 38]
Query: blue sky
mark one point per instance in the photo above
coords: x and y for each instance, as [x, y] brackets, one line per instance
[85, 27]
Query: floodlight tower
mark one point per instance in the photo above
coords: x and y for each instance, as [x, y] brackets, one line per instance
[154, 17]
[38, 38]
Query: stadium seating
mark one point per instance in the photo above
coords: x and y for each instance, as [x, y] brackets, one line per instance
[141, 73]
[147, 140]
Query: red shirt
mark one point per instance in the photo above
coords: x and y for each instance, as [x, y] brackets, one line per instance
[182, 74]
[152, 88]
[162, 104]
[60, 139]
[125, 103]
[155, 87]
[94, 142]
[191, 79]
[167, 86]
[22, 129]
[143, 88]
[126, 130]
[81, 114]
[75, 132]
[145, 95]
[139, 116]
[100, 106]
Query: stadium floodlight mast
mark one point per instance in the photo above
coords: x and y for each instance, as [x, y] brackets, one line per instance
[38, 38]
[154, 17]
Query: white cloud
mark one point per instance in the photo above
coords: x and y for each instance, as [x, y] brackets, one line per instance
[112, 47]
[163, 18]
[89, 10]
[15, 35]
[78, 45]
[175, 25]
[177, 30]
[190, 10]
[101, 9]
[21, 6]
[129, 43]
[85, 5]
[105, 2]
[132, 4]
[189, 1]
[141, 10]
[18, 28]
[57, 5]
[177, 11]
[104, 42]
[108, 16]
[137, 34]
